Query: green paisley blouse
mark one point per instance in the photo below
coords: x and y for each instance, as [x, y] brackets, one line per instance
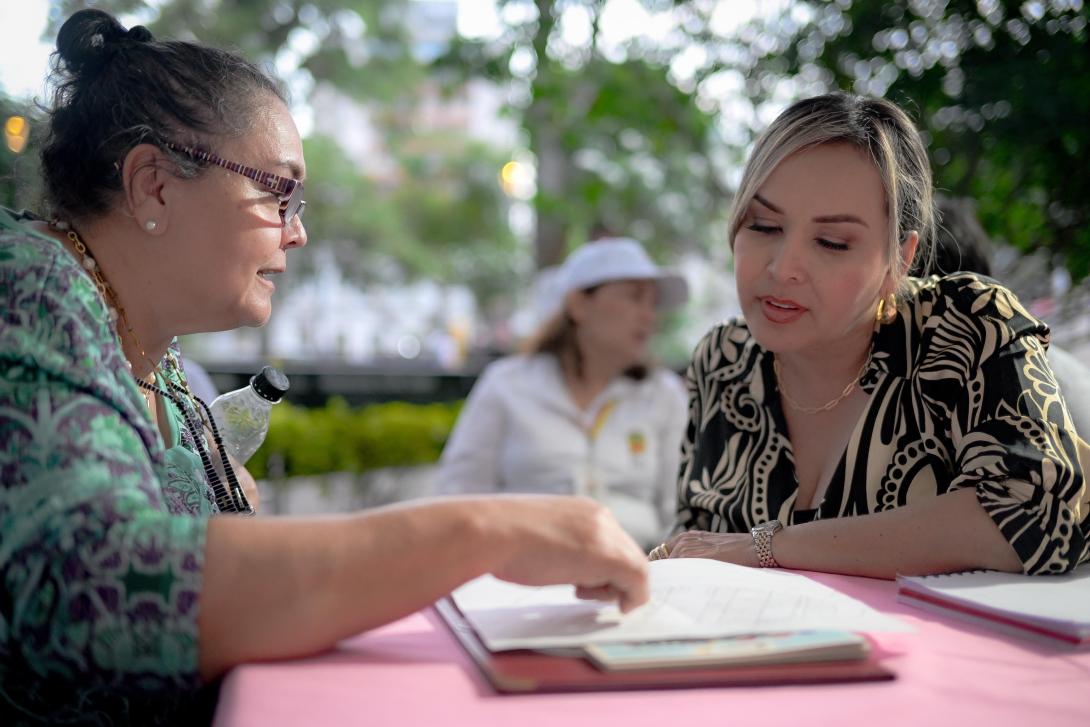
[102, 529]
[961, 395]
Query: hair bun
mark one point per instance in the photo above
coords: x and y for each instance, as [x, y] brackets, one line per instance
[88, 39]
[139, 34]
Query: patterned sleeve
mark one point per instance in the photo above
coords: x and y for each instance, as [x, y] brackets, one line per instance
[1012, 435]
[98, 582]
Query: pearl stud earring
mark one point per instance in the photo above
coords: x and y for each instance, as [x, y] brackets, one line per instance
[150, 225]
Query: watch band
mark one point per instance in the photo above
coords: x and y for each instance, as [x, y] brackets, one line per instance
[762, 542]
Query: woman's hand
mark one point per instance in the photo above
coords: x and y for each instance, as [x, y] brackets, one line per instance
[728, 547]
[247, 482]
[544, 540]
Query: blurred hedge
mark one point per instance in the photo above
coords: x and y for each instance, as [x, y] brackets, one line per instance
[336, 438]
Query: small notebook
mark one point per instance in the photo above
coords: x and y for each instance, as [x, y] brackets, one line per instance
[1050, 608]
[790, 648]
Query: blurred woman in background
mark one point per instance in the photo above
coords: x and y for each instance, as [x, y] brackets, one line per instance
[582, 411]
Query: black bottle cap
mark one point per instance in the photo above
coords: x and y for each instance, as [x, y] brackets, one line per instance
[270, 384]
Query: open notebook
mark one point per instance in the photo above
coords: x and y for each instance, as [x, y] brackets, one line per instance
[1050, 608]
[691, 598]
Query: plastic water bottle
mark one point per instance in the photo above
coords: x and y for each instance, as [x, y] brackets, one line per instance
[242, 416]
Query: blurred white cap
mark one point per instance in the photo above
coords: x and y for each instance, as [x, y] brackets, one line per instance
[604, 261]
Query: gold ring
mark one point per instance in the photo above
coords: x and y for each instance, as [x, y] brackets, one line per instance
[659, 552]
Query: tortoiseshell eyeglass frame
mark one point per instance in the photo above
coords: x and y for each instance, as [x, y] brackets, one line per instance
[290, 191]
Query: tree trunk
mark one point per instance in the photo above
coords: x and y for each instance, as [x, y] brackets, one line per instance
[547, 145]
[552, 175]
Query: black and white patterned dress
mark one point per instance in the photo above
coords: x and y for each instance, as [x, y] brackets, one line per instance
[961, 395]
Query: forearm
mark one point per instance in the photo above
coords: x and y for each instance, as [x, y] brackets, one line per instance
[278, 588]
[937, 535]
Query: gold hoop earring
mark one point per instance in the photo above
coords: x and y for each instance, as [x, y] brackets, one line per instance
[887, 310]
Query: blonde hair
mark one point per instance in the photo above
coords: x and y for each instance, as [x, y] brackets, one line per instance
[878, 128]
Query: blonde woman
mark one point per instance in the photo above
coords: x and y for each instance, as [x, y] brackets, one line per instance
[857, 420]
[581, 411]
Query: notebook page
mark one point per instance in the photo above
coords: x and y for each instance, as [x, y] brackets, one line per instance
[690, 598]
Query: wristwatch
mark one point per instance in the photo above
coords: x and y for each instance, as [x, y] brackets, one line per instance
[762, 541]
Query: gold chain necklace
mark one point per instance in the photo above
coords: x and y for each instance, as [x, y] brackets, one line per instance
[114, 309]
[824, 407]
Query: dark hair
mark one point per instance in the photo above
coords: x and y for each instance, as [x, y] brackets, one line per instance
[961, 244]
[556, 336]
[116, 88]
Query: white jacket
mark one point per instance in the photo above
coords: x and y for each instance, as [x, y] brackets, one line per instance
[520, 431]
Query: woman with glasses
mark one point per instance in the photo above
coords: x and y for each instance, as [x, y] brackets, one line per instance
[174, 181]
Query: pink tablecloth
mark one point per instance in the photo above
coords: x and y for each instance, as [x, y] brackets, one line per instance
[413, 672]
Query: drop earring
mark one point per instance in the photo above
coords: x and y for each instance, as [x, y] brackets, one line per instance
[887, 311]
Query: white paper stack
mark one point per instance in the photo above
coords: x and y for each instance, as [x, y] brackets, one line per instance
[691, 598]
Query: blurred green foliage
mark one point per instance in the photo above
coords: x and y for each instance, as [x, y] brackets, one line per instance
[445, 219]
[337, 438]
[620, 145]
[358, 45]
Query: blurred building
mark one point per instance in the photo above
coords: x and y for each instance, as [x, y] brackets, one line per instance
[327, 318]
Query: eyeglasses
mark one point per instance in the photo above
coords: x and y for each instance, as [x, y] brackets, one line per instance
[289, 191]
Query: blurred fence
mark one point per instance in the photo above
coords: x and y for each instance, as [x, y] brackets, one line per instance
[314, 383]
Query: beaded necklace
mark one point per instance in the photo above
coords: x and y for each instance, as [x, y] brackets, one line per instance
[229, 498]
